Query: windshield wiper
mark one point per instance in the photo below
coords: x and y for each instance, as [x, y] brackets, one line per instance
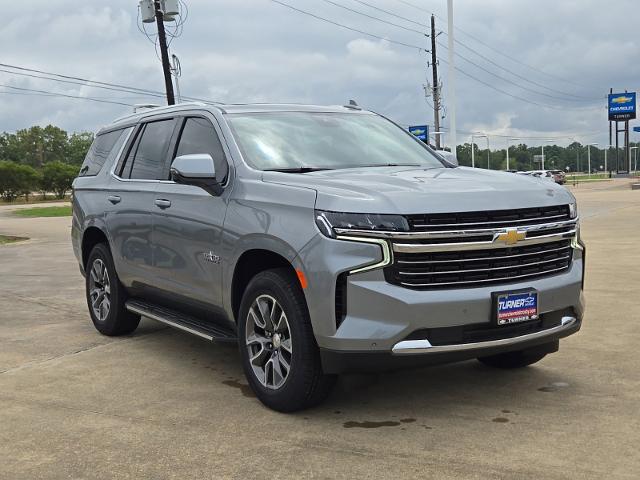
[297, 169]
[385, 165]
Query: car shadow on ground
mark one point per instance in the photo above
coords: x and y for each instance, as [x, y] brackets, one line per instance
[386, 399]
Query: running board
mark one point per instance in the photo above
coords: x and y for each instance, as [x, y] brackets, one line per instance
[206, 330]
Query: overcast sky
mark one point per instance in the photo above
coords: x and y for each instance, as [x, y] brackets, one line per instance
[259, 51]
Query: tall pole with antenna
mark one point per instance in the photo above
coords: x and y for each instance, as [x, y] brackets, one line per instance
[452, 80]
[164, 52]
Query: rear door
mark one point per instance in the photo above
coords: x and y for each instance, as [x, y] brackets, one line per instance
[132, 194]
[188, 223]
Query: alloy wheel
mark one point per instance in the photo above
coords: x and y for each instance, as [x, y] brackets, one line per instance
[99, 290]
[268, 341]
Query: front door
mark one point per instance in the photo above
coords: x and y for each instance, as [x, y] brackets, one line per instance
[187, 225]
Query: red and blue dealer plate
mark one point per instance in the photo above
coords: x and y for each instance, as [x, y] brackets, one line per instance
[516, 307]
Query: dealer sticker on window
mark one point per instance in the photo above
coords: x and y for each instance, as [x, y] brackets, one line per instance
[516, 307]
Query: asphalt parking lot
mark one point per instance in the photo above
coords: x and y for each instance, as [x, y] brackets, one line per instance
[162, 404]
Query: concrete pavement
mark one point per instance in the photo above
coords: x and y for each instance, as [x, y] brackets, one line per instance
[162, 404]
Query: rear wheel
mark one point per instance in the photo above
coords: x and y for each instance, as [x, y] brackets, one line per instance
[280, 356]
[517, 359]
[106, 296]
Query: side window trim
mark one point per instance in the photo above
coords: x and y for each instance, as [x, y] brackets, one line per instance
[218, 131]
[129, 145]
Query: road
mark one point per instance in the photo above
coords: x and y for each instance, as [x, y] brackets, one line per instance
[162, 404]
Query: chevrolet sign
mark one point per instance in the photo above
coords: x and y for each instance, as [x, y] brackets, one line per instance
[622, 106]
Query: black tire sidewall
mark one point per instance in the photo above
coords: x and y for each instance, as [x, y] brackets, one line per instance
[287, 292]
[118, 320]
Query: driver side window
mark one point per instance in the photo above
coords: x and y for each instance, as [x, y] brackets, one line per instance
[199, 136]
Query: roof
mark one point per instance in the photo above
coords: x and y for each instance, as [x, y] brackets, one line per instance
[236, 108]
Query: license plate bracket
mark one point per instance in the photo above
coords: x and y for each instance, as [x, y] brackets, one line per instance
[515, 306]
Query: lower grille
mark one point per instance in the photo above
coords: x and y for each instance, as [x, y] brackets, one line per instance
[472, 268]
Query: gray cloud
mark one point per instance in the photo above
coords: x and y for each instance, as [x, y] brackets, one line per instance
[256, 50]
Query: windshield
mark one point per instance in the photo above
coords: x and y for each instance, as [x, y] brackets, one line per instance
[305, 140]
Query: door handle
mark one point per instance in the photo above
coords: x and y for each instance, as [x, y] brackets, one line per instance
[114, 199]
[162, 203]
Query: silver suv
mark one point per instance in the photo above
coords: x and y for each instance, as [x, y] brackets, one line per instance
[322, 240]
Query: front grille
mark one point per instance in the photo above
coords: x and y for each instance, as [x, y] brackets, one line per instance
[488, 219]
[471, 268]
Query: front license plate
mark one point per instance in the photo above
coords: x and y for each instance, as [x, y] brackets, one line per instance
[516, 307]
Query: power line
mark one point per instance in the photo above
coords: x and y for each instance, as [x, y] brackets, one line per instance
[64, 95]
[72, 82]
[366, 4]
[341, 25]
[416, 47]
[507, 80]
[344, 7]
[499, 52]
[96, 83]
[574, 97]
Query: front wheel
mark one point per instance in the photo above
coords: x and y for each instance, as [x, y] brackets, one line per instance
[280, 356]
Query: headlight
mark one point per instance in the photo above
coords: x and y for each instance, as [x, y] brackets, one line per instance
[328, 221]
[573, 210]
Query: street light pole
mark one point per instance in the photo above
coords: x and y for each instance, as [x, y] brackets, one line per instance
[589, 156]
[605, 156]
[508, 150]
[451, 79]
[635, 159]
[488, 154]
[473, 161]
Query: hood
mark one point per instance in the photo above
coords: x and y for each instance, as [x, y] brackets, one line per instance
[410, 190]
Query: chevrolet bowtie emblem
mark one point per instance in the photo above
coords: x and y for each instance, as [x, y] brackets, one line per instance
[510, 237]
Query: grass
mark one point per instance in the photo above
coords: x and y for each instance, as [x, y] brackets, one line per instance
[34, 200]
[4, 239]
[64, 211]
[583, 176]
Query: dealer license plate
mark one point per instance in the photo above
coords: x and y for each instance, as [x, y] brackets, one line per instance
[516, 307]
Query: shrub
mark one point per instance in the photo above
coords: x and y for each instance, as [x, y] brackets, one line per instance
[57, 177]
[16, 180]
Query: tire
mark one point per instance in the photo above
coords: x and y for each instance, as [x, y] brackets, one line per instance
[517, 359]
[287, 341]
[110, 317]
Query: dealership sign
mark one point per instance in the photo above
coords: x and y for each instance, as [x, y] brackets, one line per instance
[622, 106]
[421, 131]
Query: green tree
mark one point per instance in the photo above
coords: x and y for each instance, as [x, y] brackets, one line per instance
[77, 147]
[57, 177]
[16, 180]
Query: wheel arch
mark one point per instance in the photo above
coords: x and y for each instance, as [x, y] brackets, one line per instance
[249, 264]
[90, 238]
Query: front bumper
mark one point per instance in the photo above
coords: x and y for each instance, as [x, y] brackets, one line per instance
[416, 353]
[386, 326]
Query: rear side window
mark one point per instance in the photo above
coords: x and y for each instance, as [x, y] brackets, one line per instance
[151, 151]
[199, 136]
[105, 147]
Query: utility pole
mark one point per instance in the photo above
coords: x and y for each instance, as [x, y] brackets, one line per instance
[164, 52]
[435, 87]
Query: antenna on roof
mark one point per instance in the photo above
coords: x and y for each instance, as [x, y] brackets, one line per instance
[353, 105]
[144, 106]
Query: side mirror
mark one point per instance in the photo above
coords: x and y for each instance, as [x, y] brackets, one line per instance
[198, 170]
[449, 157]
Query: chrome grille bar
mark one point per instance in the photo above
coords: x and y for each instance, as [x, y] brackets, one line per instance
[463, 246]
[444, 284]
[498, 222]
[558, 259]
[501, 257]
